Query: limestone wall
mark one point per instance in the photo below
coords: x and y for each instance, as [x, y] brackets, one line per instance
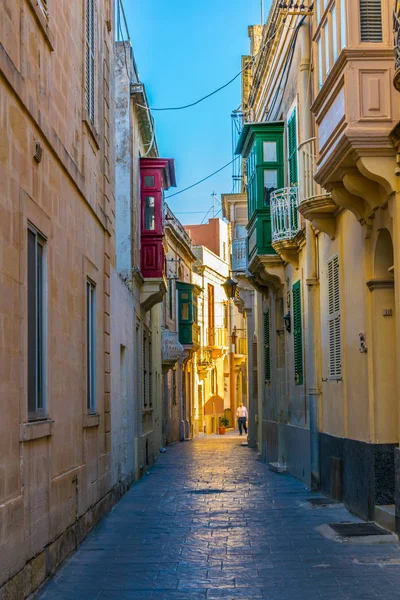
[53, 472]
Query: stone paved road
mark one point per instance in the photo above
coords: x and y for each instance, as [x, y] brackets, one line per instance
[210, 522]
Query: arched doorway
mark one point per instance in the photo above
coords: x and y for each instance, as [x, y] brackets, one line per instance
[384, 340]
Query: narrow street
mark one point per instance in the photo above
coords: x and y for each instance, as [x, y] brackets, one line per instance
[211, 521]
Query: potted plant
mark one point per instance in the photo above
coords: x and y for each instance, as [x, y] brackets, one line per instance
[223, 424]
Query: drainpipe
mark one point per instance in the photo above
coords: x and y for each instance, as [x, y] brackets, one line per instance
[312, 341]
[313, 391]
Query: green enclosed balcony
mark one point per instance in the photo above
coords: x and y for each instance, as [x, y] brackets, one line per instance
[261, 145]
[189, 331]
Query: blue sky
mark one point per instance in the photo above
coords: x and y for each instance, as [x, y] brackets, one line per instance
[185, 49]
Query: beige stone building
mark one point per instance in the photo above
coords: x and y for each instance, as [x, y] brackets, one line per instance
[180, 333]
[56, 255]
[221, 361]
[319, 127]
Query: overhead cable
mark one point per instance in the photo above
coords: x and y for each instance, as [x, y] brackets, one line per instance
[204, 179]
[218, 89]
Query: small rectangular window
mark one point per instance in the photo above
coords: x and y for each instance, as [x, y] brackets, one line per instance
[269, 152]
[36, 325]
[327, 49]
[371, 20]
[184, 311]
[270, 184]
[90, 59]
[343, 32]
[334, 34]
[149, 213]
[91, 344]
[149, 181]
[320, 65]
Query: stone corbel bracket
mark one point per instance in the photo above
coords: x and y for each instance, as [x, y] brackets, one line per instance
[321, 211]
[288, 249]
[268, 272]
[355, 204]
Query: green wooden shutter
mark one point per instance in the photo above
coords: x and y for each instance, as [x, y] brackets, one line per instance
[297, 335]
[334, 324]
[267, 349]
[292, 150]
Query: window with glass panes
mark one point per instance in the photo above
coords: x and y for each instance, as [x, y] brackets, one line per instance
[36, 362]
[330, 34]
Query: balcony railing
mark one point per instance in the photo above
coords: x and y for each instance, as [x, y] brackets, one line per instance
[241, 346]
[284, 215]
[204, 358]
[217, 337]
[308, 188]
[239, 255]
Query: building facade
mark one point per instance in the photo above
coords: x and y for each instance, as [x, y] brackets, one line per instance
[57, 253]
[320, 176]
[221, 361]
[180, 333]
[141, 179]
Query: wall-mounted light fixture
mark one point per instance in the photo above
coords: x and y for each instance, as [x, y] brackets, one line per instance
[287, 321]
[230, 286]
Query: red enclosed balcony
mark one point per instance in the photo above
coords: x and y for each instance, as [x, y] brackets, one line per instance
[156, 175]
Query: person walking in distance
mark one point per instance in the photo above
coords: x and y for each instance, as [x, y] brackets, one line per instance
[241, 415]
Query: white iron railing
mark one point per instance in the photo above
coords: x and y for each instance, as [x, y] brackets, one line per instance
[239, 254]
[284, 215]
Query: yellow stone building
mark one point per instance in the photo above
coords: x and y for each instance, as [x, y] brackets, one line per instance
[56, 255]
[318, 145]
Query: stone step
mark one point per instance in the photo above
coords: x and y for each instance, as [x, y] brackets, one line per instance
[277, 467]
[385, 516]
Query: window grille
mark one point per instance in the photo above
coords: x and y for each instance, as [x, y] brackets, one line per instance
[91, 344]
[371, 20]
[36, 325]
[267, 350]
[297, 335]
[334, 325]
[90, 59]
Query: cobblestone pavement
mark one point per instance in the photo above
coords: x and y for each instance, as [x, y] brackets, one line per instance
[210, 521]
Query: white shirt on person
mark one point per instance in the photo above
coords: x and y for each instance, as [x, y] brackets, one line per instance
[241, 412]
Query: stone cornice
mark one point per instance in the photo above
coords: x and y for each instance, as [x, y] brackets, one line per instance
[380, 284]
